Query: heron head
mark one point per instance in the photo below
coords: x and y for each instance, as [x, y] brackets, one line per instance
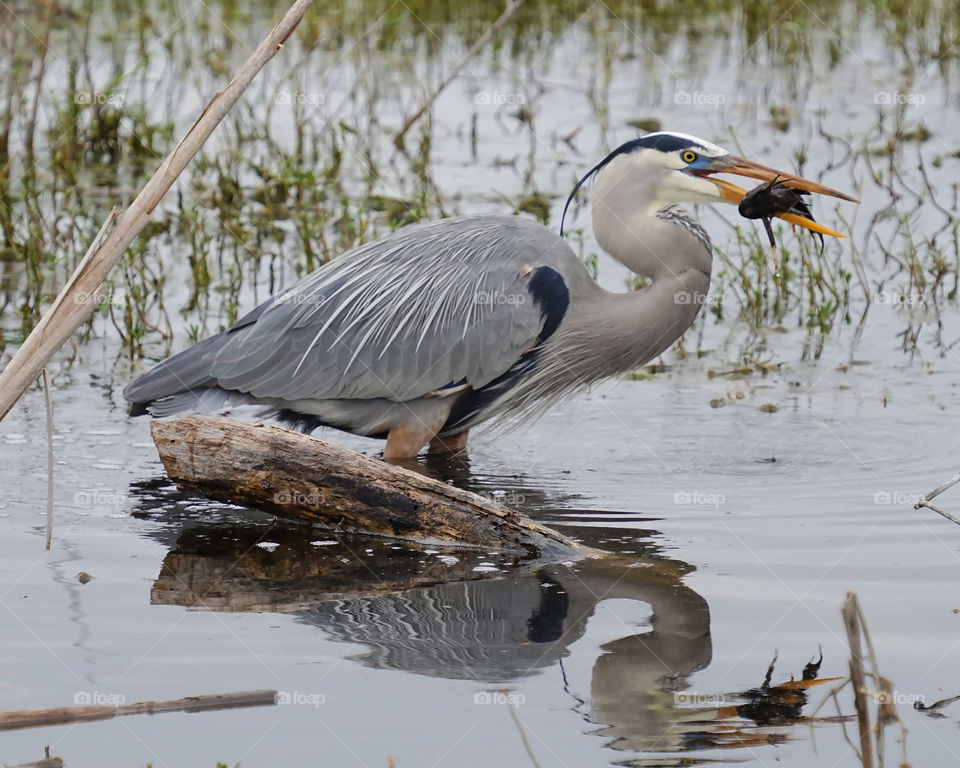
[665, 168]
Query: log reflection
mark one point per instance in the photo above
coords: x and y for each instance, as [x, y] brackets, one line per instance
[473, 615]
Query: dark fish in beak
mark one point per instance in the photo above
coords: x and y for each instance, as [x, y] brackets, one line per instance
[776, 198]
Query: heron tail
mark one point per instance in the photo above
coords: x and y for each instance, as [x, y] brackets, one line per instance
[185, 373]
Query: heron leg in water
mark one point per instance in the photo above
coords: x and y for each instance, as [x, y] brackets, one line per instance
[405, 440]
[450, 443]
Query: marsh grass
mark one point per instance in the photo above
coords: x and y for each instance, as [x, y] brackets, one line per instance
[305, 168]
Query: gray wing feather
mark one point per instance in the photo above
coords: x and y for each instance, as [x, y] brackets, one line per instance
[424, 308]
[187, 370]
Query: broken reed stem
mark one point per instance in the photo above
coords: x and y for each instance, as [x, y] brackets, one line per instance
[925, 501]
[851, 621]
[523, 736]
[48, 401]
[941, 512]
[882, 691]
[63, 317]
[840, 717]
[36, 718]
[485, 38]
[941, 488]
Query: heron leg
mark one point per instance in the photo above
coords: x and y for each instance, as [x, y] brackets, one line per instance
[405, 440]
[450, 443]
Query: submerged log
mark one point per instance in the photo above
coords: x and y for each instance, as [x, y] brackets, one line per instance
[295, 476]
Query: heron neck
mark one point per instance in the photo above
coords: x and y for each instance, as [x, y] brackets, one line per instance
[630, 329]
[604, 333]
[656, 245]
[617, 332]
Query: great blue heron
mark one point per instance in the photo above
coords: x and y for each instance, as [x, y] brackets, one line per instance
[421, 335]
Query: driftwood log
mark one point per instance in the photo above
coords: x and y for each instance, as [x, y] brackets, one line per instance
[47, 762]
[37, 718]
[295, 476]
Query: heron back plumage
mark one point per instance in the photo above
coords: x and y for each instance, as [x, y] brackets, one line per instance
[450, 307]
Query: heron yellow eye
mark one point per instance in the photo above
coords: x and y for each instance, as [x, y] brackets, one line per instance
[688, 156]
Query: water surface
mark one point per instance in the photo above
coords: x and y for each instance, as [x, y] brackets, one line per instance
[737, 530]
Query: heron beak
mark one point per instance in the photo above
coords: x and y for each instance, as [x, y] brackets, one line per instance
[741, 167]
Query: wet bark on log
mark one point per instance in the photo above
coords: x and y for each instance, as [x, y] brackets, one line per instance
[295, 476]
